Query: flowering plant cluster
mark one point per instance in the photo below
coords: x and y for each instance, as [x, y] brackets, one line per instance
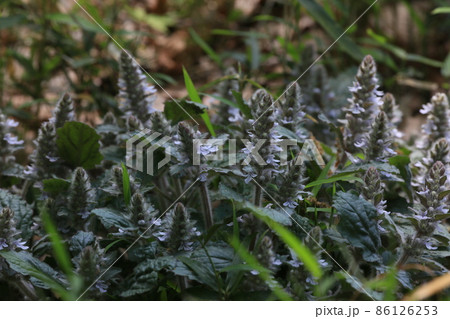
[370, 224]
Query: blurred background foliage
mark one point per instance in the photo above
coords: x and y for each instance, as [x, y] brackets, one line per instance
[49, 47]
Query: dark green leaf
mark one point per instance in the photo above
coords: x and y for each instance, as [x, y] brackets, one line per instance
[55, 186]
[11, 21]
[112, 218]
[173, 110]
[81, 240]
[203, 272]
[356, 168]
[242, 105]
[42, 274]
[78, 144]
[23, 213]
[358, 224]
[141, 284]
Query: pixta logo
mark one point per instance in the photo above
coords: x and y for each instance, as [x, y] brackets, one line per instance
[142, 146]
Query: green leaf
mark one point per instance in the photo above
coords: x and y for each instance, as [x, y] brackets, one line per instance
[11, 21]
[358, 224]
[81, 240]
[23, 213]
[358, 168]
[242, 105]
[193, 94]
[441, 10]
[322, 176]
[446, 67]
[126, 185]
[279, 216]
[140, 284]
[78, 22]
[175, 114]
[301, 251]
[158, 22]
[78, 144]
[241, 203]
[59, 248]
[202, 272]
[334, 179]
[263, 272]
[205, 46]
[285, 132]
[55, 186]
[112, 218]
[332, 28]
[42, 275]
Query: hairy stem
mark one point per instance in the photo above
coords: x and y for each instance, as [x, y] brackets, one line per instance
[208, 212]
[26, 289]
[258, 195]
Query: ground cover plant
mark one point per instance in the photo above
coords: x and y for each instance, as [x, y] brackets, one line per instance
[352, 211]
[369, 224]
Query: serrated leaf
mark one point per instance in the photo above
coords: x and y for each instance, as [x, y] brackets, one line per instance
[140, 253]
[78, 144]
[81, 240]
[112, 218]
[157, 264]
[23, 213]
[358, 224]
[141, 284]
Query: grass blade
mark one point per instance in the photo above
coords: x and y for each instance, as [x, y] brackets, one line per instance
[126, 185]
[195, 97]
[201, 43]
[263, 272]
